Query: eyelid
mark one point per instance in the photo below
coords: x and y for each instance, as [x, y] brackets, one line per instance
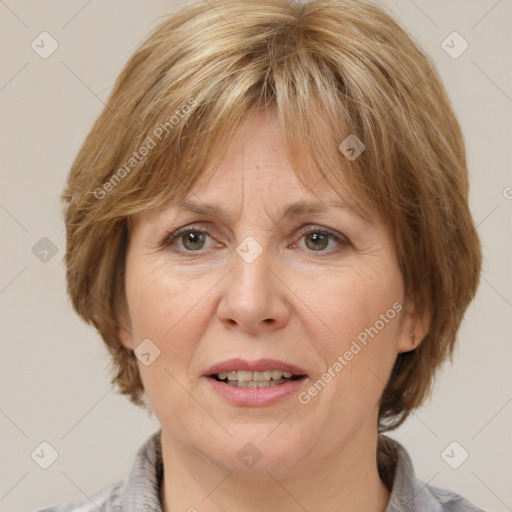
[305, 229]
[341, 240]
[313, 228]
[174, 234]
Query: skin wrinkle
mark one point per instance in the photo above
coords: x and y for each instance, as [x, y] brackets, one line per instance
[202, 311]
[180, 103]
[354, 84]
[358, 229]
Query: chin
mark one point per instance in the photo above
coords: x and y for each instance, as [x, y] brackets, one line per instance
[255, 449]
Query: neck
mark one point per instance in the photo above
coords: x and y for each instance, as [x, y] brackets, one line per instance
[347, 478]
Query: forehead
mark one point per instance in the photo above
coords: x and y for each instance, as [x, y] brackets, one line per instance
[255, 169]
[256, 161]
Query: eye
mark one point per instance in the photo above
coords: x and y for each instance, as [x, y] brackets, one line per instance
[318, 239]
[188, 239]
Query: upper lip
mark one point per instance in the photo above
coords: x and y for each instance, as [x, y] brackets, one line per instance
[259, 365]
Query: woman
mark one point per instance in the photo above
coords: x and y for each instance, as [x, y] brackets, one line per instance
[268, 225]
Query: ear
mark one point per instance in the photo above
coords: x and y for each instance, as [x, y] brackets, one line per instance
[124, 326]
[415, 325]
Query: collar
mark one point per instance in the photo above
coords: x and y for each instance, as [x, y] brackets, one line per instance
[141, 489]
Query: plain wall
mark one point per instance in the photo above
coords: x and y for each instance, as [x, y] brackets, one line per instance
[54, 369]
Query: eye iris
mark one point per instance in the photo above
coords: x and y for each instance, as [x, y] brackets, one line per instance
[195, 238]
[323, 239]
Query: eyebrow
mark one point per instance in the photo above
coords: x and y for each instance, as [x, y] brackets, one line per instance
[291, 210]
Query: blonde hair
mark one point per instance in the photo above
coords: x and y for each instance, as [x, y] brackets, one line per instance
[330, 68]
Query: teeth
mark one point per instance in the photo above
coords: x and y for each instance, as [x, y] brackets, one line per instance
[246, 376]
[248, 379]
[253, 384]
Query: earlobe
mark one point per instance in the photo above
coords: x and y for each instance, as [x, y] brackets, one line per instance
[124, 327]
[414, 328]
[414, 341]
[408, 341]
[125, 337]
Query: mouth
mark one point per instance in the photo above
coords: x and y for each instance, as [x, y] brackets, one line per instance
[255, 383]
[258, 379]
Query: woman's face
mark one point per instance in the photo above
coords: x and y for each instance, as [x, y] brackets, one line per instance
[317, 291]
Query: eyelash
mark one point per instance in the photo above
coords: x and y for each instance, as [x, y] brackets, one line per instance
[170, 238]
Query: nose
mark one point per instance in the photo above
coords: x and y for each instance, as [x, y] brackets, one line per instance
[254, 296]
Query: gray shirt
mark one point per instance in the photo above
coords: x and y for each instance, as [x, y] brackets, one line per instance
[140, 491]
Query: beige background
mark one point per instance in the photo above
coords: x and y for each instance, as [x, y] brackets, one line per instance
[54, 384]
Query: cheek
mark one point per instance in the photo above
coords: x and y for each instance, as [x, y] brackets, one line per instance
[173, 311]
[347, 303]
[160, 300]
[356, 353]
[170, 311]
[355, 330]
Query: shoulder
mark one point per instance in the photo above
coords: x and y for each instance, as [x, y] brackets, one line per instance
[408, 492]
[139, 491]
[106, 500]
[450, 501]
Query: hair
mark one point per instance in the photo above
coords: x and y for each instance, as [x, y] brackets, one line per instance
[330, 69]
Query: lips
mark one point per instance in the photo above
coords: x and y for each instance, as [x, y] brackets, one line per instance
[261, 365]
[248, 379]
[255, 383]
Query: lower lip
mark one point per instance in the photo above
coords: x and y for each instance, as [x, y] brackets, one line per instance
[253, 397]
